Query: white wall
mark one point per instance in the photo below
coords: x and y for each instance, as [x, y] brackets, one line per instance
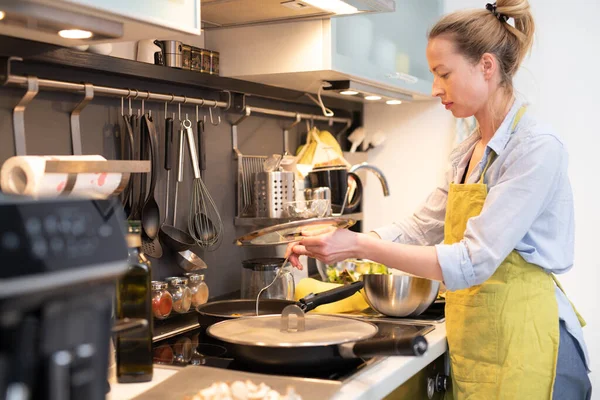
[560, 80]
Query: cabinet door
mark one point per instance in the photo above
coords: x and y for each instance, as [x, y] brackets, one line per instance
[384, 47]
[181, 15]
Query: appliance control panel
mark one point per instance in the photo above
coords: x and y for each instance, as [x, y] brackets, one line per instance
[51, 235]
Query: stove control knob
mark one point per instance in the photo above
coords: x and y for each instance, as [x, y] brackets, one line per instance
[430, 388]
[438, 384]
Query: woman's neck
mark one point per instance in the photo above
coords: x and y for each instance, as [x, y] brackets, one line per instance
[492, 114]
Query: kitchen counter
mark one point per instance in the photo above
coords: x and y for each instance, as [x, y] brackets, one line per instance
[380, 379]
[374, 382]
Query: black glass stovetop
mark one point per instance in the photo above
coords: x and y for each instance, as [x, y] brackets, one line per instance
[195, 347]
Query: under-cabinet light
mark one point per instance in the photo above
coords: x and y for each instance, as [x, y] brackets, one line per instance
[393, 102]
[75, 34]
[367, 92]
[334, 6]
[349, 92]
[2, 15]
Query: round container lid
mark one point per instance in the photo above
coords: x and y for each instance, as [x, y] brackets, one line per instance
[262, 264]
[158, 285]
[265, 330]
[177, 280]
[193, 277]
[292, 231]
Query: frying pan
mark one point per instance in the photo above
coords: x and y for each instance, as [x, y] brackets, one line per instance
[217, 311]
[310, 341]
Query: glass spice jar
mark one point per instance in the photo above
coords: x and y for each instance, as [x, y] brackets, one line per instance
[162, 301]
[198, 287]
[181, 293]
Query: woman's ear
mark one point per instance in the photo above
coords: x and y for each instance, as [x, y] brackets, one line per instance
[489, 65]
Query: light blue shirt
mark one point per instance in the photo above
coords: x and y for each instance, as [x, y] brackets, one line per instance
[529, 208]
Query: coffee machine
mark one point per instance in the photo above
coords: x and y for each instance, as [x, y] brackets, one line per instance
[59, 259]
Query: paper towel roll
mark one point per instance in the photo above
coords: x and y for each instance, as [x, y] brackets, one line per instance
[26, 175]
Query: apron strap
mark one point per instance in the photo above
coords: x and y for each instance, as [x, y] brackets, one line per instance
[579, 317]
[493, 154]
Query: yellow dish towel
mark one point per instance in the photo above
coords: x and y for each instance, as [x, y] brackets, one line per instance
[356, 302]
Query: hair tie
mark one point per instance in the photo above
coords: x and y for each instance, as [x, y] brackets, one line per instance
[492, 8]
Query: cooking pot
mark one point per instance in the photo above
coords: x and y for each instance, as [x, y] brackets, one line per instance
[399, 295]
[258, 273]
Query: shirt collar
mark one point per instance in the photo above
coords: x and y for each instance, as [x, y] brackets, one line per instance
[500, 139]
[497, 143]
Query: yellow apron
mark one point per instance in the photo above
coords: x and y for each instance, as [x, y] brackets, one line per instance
[503, 335]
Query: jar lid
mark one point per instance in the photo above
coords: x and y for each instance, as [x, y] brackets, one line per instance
[262, 264]
[158, 285]
[193, 277]
[177, 280]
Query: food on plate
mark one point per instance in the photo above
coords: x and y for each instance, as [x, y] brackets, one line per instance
[239, 390]
[351, 270]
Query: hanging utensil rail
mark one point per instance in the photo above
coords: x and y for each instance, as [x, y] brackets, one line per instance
[16, 80]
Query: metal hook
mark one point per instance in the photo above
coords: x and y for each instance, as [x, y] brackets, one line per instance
[19, 115]
[228, 100]
[129, 100]
[75, 126]
[211, 116]
[179, 111]
[197, 114]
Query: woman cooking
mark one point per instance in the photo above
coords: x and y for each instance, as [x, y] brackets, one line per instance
[499, 228]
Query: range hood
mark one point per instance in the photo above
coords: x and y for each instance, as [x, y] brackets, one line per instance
[232, 13]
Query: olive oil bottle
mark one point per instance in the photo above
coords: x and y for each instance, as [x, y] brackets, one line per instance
[134, 349]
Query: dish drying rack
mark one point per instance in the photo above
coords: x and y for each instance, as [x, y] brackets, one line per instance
[249, 165]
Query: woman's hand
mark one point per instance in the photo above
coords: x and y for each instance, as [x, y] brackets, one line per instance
[330, 247]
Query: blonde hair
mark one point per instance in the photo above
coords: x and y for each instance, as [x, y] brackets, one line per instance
[475, 32]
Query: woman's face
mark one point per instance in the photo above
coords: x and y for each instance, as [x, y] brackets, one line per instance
[461, 85]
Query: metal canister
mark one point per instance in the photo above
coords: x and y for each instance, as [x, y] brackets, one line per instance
[186, 56]
[205, 61]
[214, 63]
[196, 64]
[172, 52]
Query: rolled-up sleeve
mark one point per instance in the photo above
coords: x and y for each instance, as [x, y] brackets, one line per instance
[527, 179]
[426, 226]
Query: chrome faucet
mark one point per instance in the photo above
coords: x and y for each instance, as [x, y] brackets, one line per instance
[378, 173]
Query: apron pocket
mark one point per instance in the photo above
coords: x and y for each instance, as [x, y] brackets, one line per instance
[472, 336]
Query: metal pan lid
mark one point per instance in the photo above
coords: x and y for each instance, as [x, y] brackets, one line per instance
[292, 231]
[266, 331]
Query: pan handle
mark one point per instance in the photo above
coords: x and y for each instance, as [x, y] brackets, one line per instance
[406, 346]
[313, 301]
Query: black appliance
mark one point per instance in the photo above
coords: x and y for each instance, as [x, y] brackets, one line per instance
[59, 261]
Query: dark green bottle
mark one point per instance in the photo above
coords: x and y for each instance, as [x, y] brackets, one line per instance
[134, 349]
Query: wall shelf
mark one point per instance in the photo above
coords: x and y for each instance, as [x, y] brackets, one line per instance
[45, 53]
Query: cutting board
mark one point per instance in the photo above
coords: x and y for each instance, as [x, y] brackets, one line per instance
[191, 379]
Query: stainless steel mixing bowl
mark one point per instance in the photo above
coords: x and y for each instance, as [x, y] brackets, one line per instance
[399, 295]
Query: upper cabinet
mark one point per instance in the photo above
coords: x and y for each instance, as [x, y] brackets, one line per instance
[388, 48]
[104, 20]
[378, 54]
